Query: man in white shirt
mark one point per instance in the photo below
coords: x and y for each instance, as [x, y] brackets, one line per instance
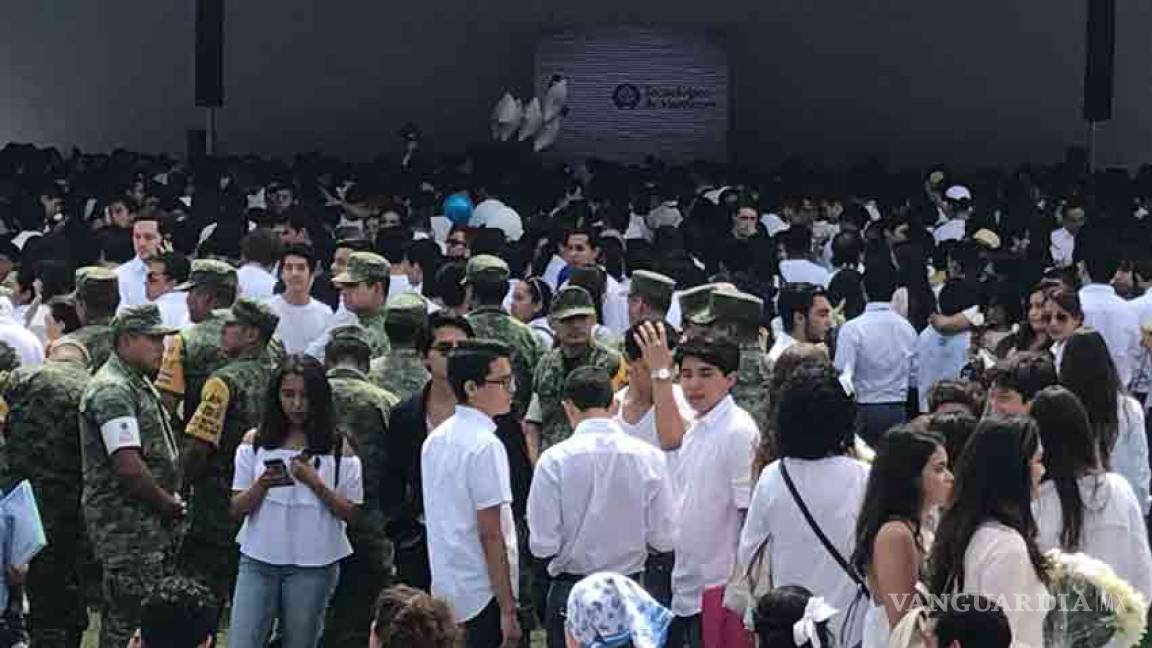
[1062, 240]
[957, 207]
[302, 318]
[874, 354]
[712, 479]
[805, 315]
[600, 500]
[165, 272]
[798, 267]
[1105, 311]
[25, 343]
[261, 250]
[467, 499]
[132, 276]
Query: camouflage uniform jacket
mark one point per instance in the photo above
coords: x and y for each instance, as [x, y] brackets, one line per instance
[549, 385]
[43, 440]
[97, 340]
[124, 529]
[753, 379]
[494, 323]
[231, 403]
[400, 372]
[377, 337]
[362, 410]
[190, 357]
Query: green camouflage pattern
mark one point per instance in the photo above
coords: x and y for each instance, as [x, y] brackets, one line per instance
[96, 340]
[400, 372]
[549, 381]
[495, 324]
[751, 390]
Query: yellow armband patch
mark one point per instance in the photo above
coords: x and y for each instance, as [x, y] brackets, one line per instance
[620, 379]
[171, 375]
[207, 423]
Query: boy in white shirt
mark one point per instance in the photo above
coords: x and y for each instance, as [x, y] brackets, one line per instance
[302, 317]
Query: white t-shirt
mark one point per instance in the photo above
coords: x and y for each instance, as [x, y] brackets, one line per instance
[465, 470]
[27, 346]
[173, 308]
[255, 282]
[292, 526]
[299, 325]
[804, 271]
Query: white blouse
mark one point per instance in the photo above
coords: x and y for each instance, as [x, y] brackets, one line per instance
[292, 526]
[1112, 531]
[996, 565]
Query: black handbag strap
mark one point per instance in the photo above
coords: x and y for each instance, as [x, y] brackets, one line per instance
[828, 546]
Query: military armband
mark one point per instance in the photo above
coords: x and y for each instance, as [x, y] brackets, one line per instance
[207, 422]
[620, 378]
[171, 376]
[119, 433]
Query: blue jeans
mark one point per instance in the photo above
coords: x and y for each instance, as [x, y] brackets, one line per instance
[297, 595]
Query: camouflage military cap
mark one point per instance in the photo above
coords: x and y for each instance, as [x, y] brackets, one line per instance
[8, 358]
[210, 273]
[364, 267]
[572, 301]
[248, 312]
[143, 319]
[731, 306]
[350, 332]
[694, 300]
[651, 285]
[488, 267]
[406, 308]
[94, 279]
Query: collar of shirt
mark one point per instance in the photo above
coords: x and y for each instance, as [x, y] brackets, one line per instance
[872, 307]
[474, 416]
[717, 413]
[597, 426]
[1103, 289]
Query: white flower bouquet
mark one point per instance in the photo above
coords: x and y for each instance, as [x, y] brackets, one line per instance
[1093, 606]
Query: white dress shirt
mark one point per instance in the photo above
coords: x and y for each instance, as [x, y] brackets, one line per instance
[781, 344]
[1130, 451]
[804, 271]
[996, 565]
[615, 306]
[254, 282]
[132, 277]
[598, 500]
[24, 342]
[1112, 529]
[712, 478]
[874, 352]
[795, 554]
[552, 272]
[939, 356]
[464, 471]
[173, 308]
[299, 325]
[1106, 312]
[1062, 245]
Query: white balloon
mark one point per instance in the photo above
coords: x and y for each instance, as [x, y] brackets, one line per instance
[506, 117]
[547, 135]
[556, 100]
[533, 120]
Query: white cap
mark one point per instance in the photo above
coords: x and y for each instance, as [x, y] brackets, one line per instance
[958, 192]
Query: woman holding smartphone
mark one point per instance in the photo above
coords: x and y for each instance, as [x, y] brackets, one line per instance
[296, 484]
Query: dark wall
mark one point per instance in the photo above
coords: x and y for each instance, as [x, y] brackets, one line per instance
[983, 81]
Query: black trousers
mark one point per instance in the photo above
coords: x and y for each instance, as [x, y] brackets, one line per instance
[483, 630]
[685, 632]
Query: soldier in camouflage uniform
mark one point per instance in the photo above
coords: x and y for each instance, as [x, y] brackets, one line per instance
[649, 296]
[693, 302]
[97, 298]
[572, 318]
[486, 281]
[231, 403]
[194, 353]
[401, 371]
[738, 315]
[362, 410]
[42, 445]
[364, 288]
[131, 474]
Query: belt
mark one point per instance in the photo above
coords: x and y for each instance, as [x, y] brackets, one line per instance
[575, 578]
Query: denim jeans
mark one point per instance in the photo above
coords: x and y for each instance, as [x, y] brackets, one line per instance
[297, 595]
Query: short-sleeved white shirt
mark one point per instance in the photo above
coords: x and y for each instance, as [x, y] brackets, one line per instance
[300, 325]
[465, 470]
[292, 526]
[712, 481]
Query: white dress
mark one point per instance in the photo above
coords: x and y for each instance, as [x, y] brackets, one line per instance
[876, 630]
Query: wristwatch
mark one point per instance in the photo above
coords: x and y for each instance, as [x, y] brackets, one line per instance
[663, 373]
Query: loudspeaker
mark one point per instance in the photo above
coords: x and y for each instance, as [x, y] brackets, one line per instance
[209, 53]
[1101, 46]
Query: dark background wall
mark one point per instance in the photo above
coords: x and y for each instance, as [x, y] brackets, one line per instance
[981, 81]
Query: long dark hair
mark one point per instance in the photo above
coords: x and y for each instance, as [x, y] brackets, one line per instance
[1070, 452]
[911, 262]
[993, 484]
[894, 491]
[1087, 371]
[320, 426]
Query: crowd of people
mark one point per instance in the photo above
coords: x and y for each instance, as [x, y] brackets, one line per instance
[455, 400]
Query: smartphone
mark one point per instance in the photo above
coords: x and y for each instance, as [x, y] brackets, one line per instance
[279, 470]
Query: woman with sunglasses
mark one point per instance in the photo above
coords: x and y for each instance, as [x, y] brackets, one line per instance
[1064, 316]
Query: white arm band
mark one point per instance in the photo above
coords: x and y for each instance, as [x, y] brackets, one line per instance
[123, 432]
